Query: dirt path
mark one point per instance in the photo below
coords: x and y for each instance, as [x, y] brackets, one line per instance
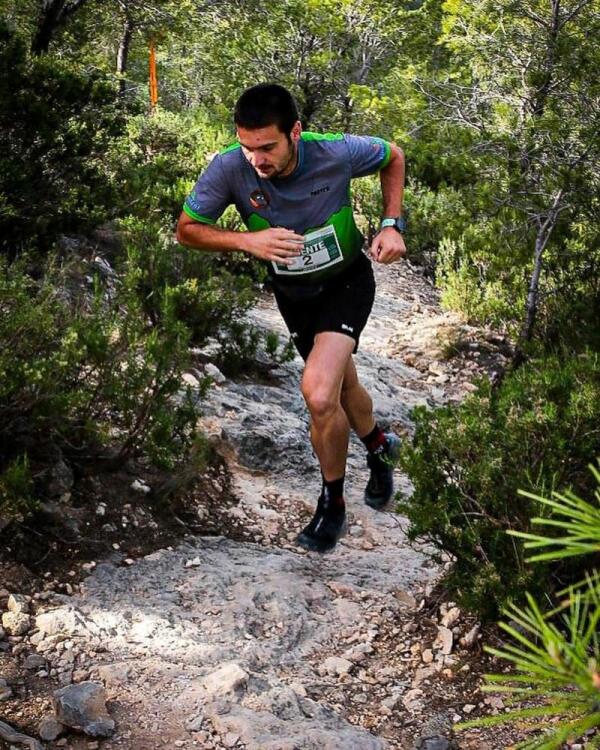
[255, 643]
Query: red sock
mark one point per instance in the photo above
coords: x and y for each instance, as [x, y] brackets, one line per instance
[375, 441]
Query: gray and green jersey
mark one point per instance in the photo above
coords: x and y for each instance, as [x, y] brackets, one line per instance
[314, 200]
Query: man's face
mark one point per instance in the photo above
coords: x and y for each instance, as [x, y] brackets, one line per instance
[269, 150]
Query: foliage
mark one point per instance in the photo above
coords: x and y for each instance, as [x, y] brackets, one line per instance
[539, 428]
[86, 376]
[157, 160]
[16, 489]
[55, 124]
[519, 102]
[556, 656]
[196, 288]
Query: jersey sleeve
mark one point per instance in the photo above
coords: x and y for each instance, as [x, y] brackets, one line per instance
[368, 154]
[210, 195]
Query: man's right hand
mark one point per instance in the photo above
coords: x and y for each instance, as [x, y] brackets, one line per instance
[274, 244]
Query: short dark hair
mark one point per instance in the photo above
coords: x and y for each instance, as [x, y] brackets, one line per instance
[266, 104]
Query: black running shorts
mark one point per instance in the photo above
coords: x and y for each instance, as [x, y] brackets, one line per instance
[342, 304]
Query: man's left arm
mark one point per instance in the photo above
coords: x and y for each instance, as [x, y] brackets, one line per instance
[388, 244]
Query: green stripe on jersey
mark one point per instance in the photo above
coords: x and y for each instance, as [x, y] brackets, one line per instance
[388, 155]
[229, 148]
[197, 217]
[308, 136]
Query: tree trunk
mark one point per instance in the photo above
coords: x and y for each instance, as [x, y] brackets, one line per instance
[544, 233]
[52, 16]
[123, 53]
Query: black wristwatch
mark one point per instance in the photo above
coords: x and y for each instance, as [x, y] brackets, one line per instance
[398, 222]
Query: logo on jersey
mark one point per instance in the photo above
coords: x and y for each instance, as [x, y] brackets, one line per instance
[259, 199]
[318, 191]
[346, 327]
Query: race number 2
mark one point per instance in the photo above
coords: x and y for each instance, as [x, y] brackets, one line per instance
[321, 249]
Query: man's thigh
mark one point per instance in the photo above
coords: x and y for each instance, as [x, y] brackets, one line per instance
[326, 364]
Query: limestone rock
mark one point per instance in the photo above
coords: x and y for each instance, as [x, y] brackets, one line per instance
[83, 707]
[57, 622]
[444, 641]
[470, 639]
[226, 679]
[18, 603]
[213, 372]
[114, 674]
[451, 617]
[16, 623]
[336, 665]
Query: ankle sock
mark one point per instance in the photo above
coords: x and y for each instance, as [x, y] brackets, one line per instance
[375, 441]
[334, 490]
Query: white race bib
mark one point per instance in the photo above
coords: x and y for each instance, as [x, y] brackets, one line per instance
[321, 250]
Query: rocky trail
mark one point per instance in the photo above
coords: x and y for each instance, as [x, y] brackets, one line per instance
[250, 642]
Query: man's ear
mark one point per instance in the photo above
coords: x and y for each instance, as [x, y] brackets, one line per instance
[296, 131]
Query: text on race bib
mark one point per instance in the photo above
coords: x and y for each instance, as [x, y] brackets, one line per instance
[321, 249]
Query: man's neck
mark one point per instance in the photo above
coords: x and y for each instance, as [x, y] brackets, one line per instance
[292, 163]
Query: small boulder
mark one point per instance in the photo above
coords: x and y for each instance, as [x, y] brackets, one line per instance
[336, 666]
[16, 623]
[444, 641]
[226, 679]
[49, 729]
[83, 707]
[34, 661]
[5, 690]
[213, 372]
[18, 603]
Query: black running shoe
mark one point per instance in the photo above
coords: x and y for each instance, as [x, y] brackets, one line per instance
[380, 486]
[326, 527]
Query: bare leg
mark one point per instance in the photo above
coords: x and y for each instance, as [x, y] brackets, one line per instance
[321, 388]
[356, 402]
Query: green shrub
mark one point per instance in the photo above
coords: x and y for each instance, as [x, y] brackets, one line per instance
[16, 490]
[204, 292]
[537, 430]
[554, 682]
[88, 378]
[56, 124]
[157, 160]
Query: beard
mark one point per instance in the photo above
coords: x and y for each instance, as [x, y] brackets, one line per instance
[277, 171]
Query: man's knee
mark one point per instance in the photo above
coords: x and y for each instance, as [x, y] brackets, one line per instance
[321, 399]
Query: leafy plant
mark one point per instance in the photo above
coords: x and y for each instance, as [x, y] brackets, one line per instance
[555, 655]
[466, 462]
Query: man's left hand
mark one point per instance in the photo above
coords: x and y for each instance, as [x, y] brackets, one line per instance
[387, 246]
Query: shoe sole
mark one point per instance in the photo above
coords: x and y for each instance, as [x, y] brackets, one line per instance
[395, 444]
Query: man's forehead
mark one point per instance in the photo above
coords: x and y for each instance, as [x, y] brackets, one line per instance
[259, 137]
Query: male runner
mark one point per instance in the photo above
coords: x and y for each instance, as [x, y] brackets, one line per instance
[292, 190]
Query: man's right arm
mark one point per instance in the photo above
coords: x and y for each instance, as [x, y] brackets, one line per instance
[273, 244]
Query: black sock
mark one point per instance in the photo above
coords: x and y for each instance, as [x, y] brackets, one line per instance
[375, 441]
[334, 491]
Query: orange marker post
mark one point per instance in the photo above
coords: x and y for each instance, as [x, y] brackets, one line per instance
[153, 79]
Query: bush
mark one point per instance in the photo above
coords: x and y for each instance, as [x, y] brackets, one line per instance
[157, 160]
[85, 379]
[56, 124]
[555, 656]
[537, 430]
[205, 292]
